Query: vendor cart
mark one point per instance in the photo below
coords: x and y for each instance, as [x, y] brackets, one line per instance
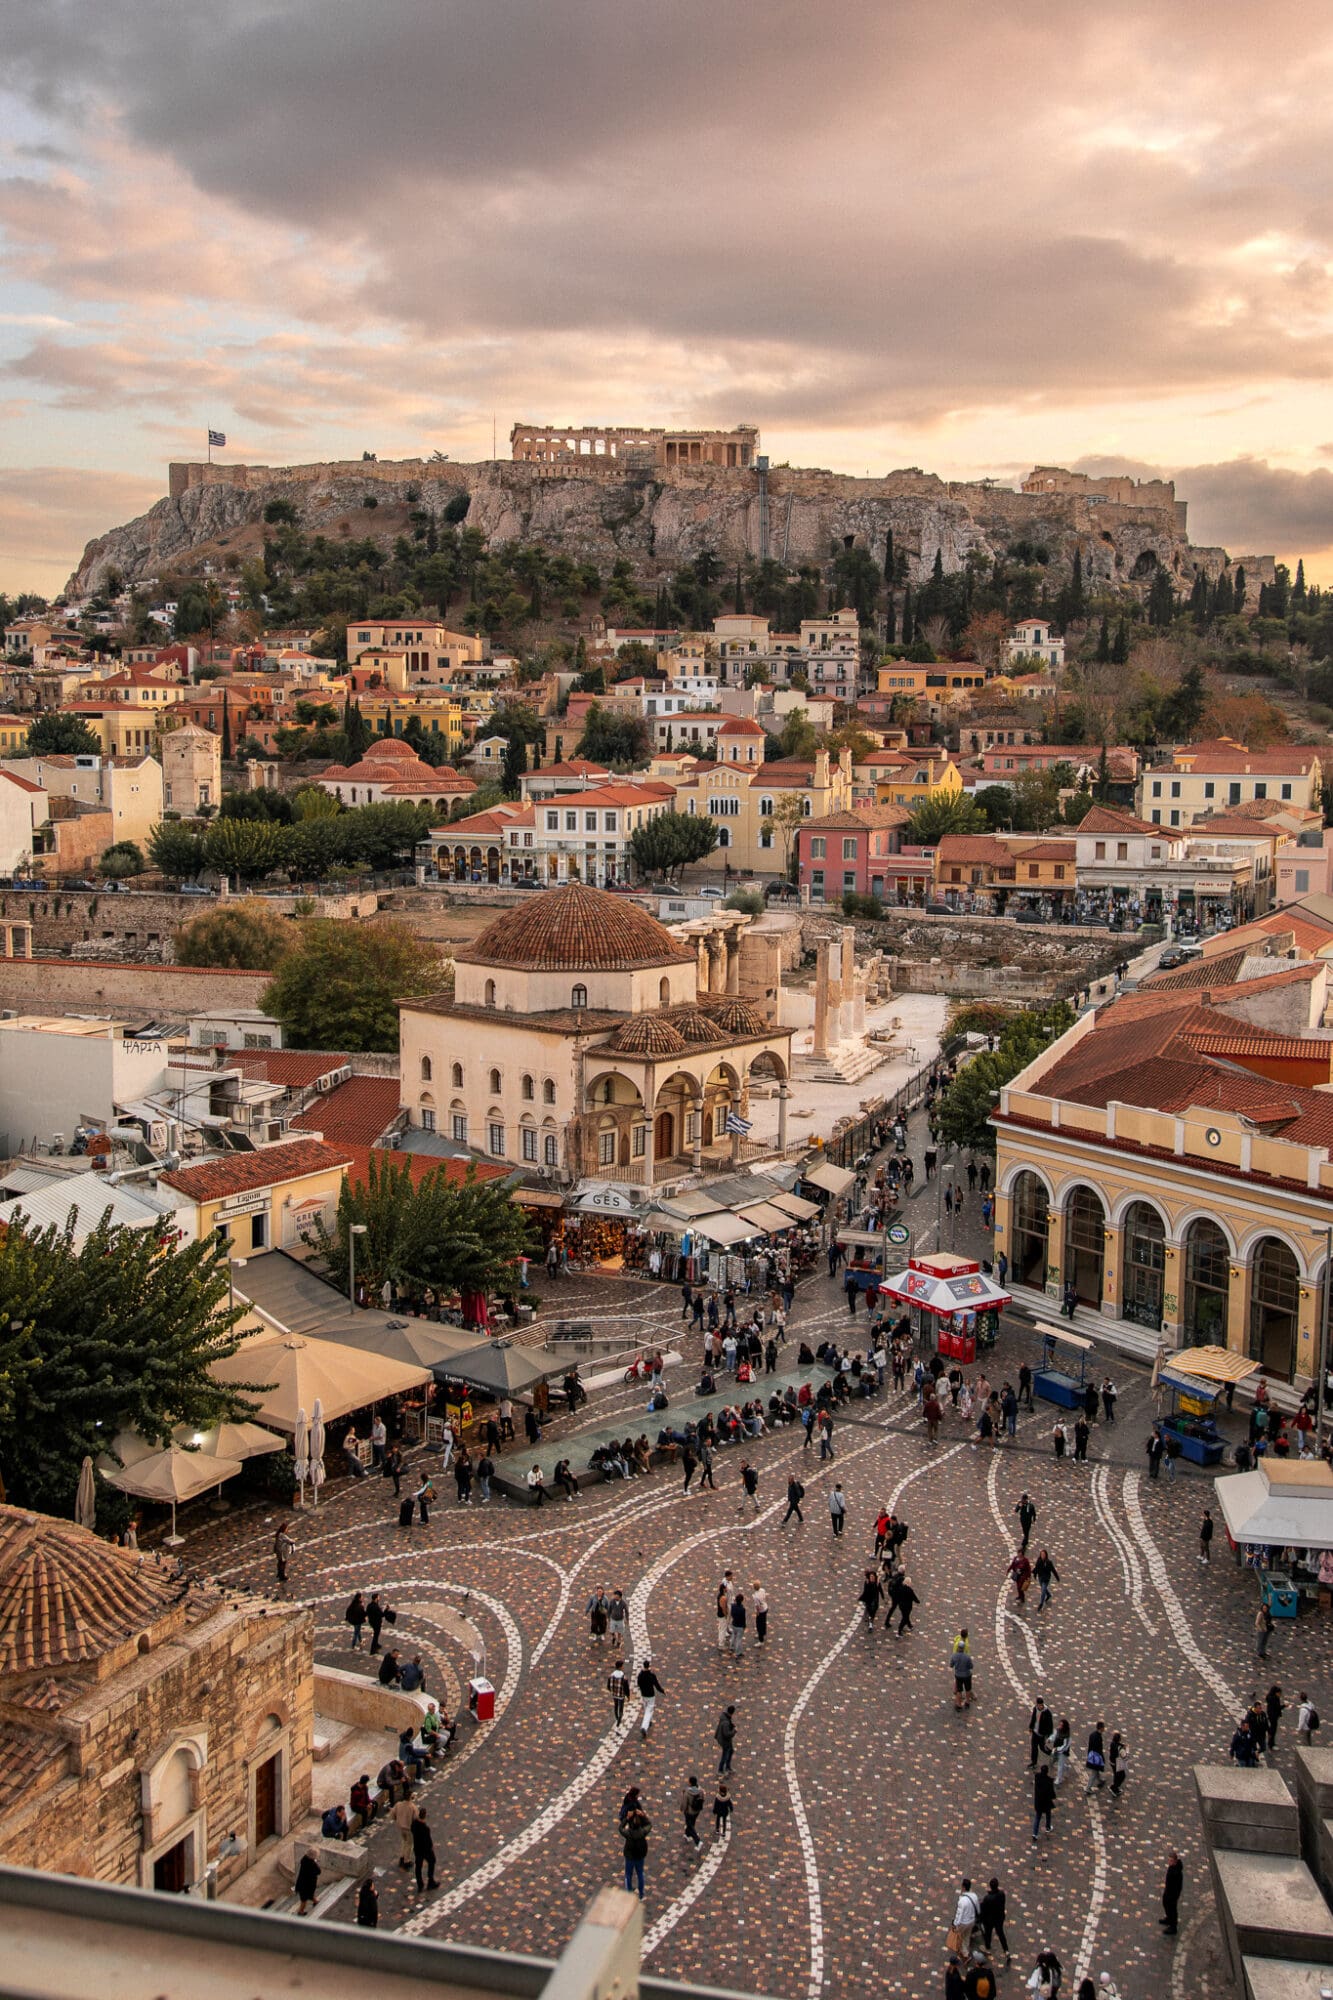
[1193, 1380]
[1063, 1375]
[954, 1298]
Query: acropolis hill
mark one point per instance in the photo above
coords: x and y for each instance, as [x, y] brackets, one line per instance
[597, 506]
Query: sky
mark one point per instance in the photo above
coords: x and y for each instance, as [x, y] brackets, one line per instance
[970, 237]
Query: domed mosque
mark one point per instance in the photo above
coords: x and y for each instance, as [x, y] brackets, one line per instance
[586, 1038]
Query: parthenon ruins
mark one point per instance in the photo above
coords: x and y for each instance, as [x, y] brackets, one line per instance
[549, 444]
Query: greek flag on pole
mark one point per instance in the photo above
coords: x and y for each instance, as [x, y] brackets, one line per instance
[740, 1126]
[218, 438]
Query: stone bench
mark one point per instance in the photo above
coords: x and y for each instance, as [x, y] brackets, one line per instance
[1314, 1795]
[1271, 1979]
[1250, 1812]
[1271, 1908]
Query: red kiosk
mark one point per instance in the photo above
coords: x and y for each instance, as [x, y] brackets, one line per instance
[955, 1292]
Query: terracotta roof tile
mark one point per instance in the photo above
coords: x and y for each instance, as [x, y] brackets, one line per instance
[66, 1596]
[355, 1113]
[420, 1165]
[576, 929]
[238, 1173]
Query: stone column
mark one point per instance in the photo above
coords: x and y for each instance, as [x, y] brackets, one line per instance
[1111, 1302]
[1172, 1302]
[697, 1143]
[1055, 1251]
[783, 1095]
[821, 999]
[859, 1007]
[649, 1165]
[702, 954]
[847, 985]
[27, 940]
[1238, 1307]
[733, 963]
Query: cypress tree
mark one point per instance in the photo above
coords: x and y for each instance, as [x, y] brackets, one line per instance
[1104, 640]
[226, 730]
[1120, 650]
[891, 622]
[908, 631]
[1298, 589]
[888, 560]
[1238, 588]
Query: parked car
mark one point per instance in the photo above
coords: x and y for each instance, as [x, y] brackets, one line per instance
[1170, 958]
[193, 889]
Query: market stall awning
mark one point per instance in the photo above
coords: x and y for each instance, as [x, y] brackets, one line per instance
[1281, 1504]
[694, 1202]
[606, 1198]
[833, 1180]
[766, 1215]
[1063, 1336]
[1211, 1364]
[301, 1370]
[505, 1371]
[725, 1229]
[169, 1475]
[946, 1285]
[796, 1206]
[530, 1197]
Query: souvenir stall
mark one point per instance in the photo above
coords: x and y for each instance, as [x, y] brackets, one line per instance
[1279, 1520]
[954, 1298]
[599, 1215]
[1195, 1380]
[1063, 1375]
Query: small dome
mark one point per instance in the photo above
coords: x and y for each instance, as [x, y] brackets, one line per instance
[736, 1017]
[66, 1596]
[694, 1026]
[576, 929]
[647, 1035]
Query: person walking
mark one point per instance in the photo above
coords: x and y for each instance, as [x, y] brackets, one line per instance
[750, 1485]
[1081, 1435]
[1172, 1886]
[722, 1611]
[739, 1623]
[722, 1803]
[402, 1815]
[1153, 1447]
[1263, 1630]
[617, 1686]
[826, 1436]
[598, 1609]
[375, 1620]
[306, 1885]
[355, 1616]
[1059, 1438]
[795, 1495]
[759, 1605]
[1117, 1763]
[960, 1660]
[1275, 1708]
[617, 1618]
[992, 1911]
[1109, 1397]
[966, 1917]
[284, 1548]
[368, 1906]
[1307, 1719]
[706, 1465]
[636, 1827]
[649, 1688]
[1041, 1728]
[393, 1468]
[871, 1598]
[423, 1496]
[1095, 1759]
[1024, 1383]
[1027, 1515]
[1206, 1536]
[1020, 1571]
[423, 1850]
[837, 1507]
[1060, 1747]
[1043, 1799]
[902, 1599]
[932, 1410]
[1046, 1574]
[725, 1738]
[692, 1803]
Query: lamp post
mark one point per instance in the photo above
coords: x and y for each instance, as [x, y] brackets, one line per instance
[354, 1230]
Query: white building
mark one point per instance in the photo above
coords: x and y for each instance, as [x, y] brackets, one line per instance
[23, 808]
[57, 1073]
[1035, 639]
[129, 788]
[191, 768]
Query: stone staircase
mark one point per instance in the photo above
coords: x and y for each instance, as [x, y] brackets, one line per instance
[846, 1062]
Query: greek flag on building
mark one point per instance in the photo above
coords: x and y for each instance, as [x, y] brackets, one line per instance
[218, 438]
[740, 1126]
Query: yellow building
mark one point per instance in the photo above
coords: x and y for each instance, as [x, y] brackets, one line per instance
[750, 799]
[440, 715]
[1171, 1157]
[414, 652]
[122, 729]
[263, 1200]
[13, 735]
[907, 777]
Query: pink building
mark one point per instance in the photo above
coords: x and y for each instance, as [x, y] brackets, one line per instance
[860, 851]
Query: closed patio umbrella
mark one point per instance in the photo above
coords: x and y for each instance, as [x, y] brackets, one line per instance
[317, 1450]
[170, 1475]
[301, 1452]
[85, 1500]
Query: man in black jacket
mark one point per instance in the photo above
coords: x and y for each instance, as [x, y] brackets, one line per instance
[423, 1849]
[649, 1688]
[992, 1918]
[902, 1599]
[1043, 1798]
[1171, 1888]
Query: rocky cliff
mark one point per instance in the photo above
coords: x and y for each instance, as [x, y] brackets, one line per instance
[658, 519]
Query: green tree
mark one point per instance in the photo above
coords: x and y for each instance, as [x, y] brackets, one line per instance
[799, 739]
[942, 813]
[997, 802]
[264, 803]
[176, 850]
[339, 987]
[119, 1333]
[245, 935]
[454, 1235]
[1161, 599]
[121, 860]
[313, 802]
[59, 735]
[385, 834]
[245, 848]
[1183, 709]
[966, 1107]
[668, 844]
[515, 764]
[619, 741]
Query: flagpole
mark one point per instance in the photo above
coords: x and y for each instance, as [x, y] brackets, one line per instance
[210, 444]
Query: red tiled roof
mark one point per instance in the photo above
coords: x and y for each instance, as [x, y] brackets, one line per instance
[572, 767]
[741, 725]
[1101, 819]
[575, 928]
[857, 819]
[1221, 756]
[1045, 850]
[294, 1069]
[355, 1113]
[420, 1165]
[239, 1173]
[972, 847]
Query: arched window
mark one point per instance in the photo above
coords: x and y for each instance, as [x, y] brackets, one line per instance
[664, 991]
[1029, 1228]
[490, 993]
[548, 1091]
[1207, 1285]
[1085, 1244]
[1145, 1262]
[457, 1076]
[496, 1083]
[1275, 1292]
[609, 1091]
[526, 1089]
[579, 997]
[425, 1069]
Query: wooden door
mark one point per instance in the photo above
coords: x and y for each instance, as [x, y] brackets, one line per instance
[266, 1801]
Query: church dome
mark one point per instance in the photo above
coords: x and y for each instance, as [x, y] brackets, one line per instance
[695, 1026]
[647, 1035]
[576, 929]
[736, 1017]
[66, 1596]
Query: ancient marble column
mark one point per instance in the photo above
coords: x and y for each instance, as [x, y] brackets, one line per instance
[847, 985]
[821, 999]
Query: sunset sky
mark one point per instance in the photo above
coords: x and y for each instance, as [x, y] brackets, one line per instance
[967, 237]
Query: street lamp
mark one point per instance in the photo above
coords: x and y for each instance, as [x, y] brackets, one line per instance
[234, 1264]
[354, 1230]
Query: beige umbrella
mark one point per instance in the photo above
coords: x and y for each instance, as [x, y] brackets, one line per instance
[85, 1500]
[170, 1475]
[302, 1370]
[231, 1441]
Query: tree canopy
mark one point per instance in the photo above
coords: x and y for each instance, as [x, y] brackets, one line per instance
[944, 812]
[338, 988]
[668, 844]
[614, 740]
[245, 935]
[176, 850]
[61, 735]
[965, 1108]
[453, 1235]
[116, 1333]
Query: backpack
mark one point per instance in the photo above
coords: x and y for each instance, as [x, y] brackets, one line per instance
[1314, 1719]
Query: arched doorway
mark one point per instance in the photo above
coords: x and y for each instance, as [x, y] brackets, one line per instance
[1029, 1231]
[1275, 1293]
[1085, 1244]
[1142, 1278]
[1207, 1265]
[664, 1136]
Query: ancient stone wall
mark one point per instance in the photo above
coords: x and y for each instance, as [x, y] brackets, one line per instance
[73, 986]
